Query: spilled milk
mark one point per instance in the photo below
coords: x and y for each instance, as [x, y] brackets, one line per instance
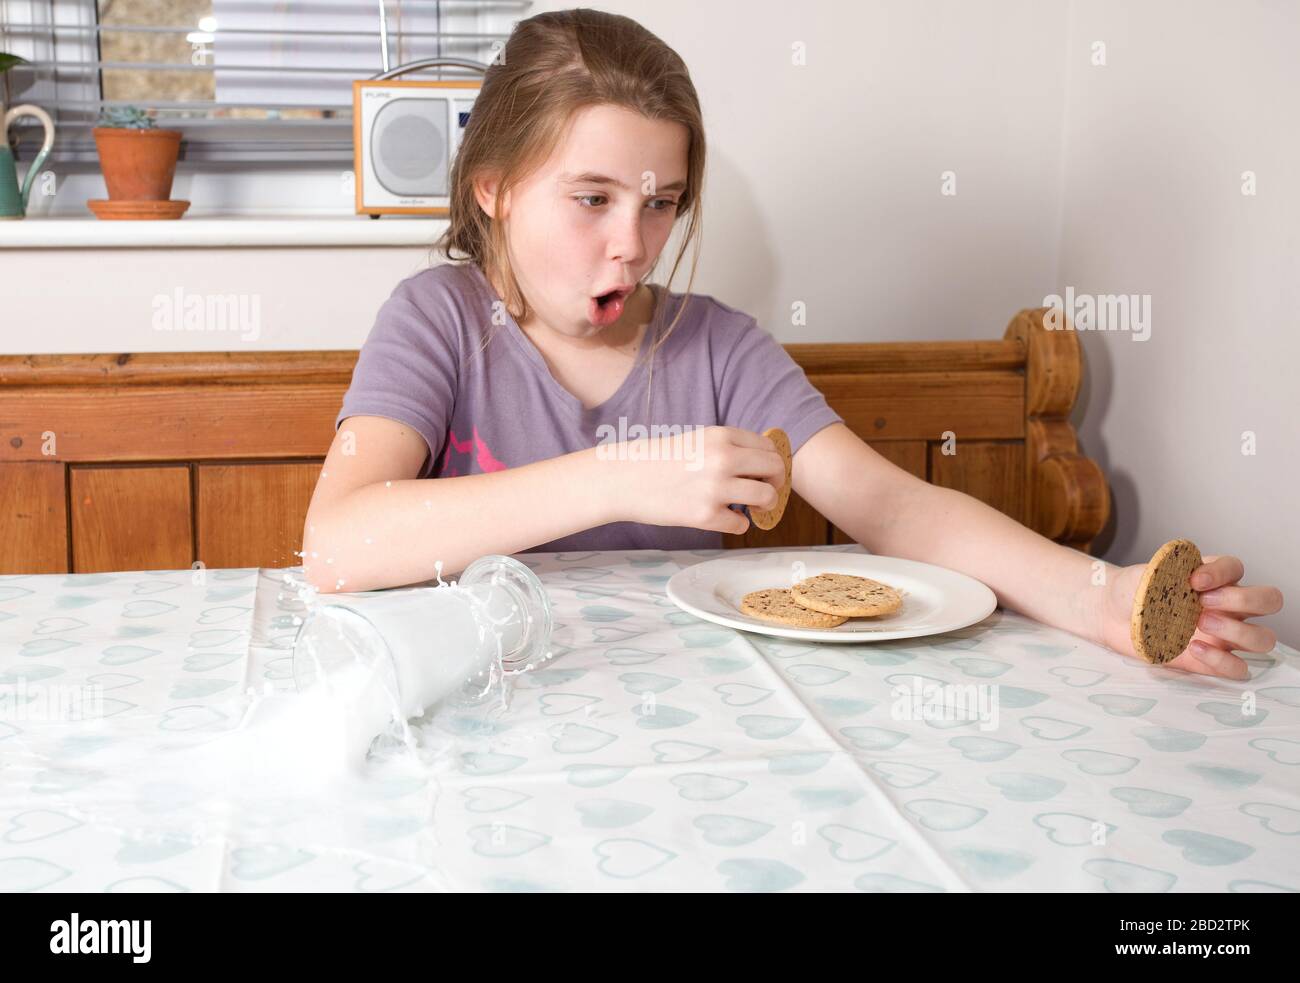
[345, 762]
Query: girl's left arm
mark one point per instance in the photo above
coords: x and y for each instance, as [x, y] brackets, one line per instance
[893, 513]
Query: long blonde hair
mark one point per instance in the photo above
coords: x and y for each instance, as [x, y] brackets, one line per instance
[555, 64]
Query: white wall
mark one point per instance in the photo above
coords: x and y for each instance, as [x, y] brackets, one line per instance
[823, 186]
[104, 300]
[1192, 94]
[823, 181]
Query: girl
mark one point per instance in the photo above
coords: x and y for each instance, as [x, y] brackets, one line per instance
[503, 374]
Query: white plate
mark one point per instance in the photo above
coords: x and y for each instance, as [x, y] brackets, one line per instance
[935, 599]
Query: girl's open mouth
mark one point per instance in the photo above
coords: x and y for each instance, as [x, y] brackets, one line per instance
[608, 308]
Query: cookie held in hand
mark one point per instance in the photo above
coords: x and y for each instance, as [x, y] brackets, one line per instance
[846, 595]
[1165, 607]
[768, 518]
[776, 605]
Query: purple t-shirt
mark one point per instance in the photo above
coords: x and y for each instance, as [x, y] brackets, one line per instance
[498, 408]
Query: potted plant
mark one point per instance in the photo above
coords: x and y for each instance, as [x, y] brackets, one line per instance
[8, 61]
[136, 156]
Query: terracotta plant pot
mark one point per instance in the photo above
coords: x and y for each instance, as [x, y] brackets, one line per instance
[138, 165]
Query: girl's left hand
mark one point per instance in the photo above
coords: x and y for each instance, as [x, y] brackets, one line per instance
[1222, 627]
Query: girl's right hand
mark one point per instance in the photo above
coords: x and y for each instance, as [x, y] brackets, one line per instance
[691, 478]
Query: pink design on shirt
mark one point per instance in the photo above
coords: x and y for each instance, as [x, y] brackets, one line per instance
[487, 461]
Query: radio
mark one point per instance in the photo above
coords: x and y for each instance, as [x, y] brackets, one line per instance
[405, 135]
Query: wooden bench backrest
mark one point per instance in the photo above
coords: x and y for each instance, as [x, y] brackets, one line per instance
[159, 460]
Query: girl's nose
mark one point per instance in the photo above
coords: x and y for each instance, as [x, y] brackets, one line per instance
[625, 241]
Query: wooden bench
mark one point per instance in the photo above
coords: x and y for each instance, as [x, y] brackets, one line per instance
[161, 460]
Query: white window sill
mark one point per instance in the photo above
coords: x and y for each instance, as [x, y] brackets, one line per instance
[75, 232]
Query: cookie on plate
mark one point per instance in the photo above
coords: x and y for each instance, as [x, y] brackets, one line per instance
[768, 518]
[1165, 606]
[776, 605]
[846, 595]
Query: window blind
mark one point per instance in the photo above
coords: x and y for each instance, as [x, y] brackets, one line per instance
[244, 80]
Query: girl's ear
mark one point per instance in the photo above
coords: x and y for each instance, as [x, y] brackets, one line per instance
[485, 193]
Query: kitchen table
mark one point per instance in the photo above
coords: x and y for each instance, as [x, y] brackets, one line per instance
[654, 752]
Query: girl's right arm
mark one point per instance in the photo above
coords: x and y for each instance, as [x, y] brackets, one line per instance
[371, 524]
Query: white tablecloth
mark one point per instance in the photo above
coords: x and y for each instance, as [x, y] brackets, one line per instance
[655, 752]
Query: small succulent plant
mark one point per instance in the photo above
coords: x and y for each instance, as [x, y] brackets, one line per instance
[8, 61]
[126, 118]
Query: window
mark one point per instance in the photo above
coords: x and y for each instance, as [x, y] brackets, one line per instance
[245, 80]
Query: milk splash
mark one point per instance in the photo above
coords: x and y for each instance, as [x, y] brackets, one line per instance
[332, 765]
[371, 657]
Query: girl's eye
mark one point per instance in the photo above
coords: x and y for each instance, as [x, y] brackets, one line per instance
[668, 203]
